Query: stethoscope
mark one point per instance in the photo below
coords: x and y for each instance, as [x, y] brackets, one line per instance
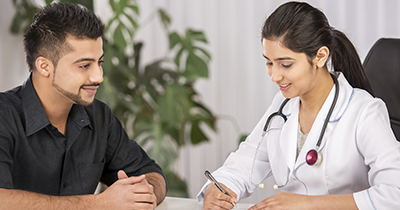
[313, 157]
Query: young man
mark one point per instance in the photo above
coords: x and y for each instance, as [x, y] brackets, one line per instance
[56, 140]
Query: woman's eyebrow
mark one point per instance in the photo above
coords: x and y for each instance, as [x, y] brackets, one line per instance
[279, 59]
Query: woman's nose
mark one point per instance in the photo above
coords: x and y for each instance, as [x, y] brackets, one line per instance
[275, 75]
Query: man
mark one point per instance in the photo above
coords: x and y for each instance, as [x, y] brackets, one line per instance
[56, 140]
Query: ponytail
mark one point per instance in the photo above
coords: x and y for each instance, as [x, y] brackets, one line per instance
[345, 59]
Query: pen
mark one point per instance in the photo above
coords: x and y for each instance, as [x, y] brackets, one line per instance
[213, 180]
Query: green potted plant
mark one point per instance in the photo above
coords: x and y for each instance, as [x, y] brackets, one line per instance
[157, 103]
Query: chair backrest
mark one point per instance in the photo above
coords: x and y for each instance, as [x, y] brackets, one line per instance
[382, 66]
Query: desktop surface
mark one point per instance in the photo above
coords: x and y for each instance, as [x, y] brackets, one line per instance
[173, 203]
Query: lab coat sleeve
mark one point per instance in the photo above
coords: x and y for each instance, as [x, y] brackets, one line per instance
[235, 172]
[381, 152]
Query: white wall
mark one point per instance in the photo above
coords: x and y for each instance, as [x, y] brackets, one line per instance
[238, 87]
[13, 70]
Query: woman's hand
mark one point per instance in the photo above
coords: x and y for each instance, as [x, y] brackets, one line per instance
[214, 199]
[282, 201]
[285, 200]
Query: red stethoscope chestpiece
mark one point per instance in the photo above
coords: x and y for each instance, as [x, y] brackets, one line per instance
[313, 157]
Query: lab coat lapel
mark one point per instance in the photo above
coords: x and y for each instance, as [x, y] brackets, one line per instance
[313, 135]
[345, 94]
[341, 105]
[288, 138]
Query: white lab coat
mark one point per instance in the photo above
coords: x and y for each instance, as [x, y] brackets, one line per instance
[360, 152]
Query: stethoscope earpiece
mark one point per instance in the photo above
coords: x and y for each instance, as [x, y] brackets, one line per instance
[280, 186]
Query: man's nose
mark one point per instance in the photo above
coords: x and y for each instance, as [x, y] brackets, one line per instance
[97, 75]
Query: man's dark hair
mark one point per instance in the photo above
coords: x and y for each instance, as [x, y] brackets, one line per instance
[47, 35]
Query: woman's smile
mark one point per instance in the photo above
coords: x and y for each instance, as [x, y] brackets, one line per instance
[285, 87]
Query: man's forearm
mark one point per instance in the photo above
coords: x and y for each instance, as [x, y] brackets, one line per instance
[19, 199]
[158, 182]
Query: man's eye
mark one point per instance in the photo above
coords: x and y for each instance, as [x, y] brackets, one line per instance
[286, 66]
[85, 66]
[101, 63]
[269, 64]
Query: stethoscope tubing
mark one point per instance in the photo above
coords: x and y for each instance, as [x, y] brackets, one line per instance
[279, 113]
[328, 116]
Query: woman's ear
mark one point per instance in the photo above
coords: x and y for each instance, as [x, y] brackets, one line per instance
[44, 66]
[321, 57]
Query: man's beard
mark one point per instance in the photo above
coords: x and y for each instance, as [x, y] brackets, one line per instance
[76, 98]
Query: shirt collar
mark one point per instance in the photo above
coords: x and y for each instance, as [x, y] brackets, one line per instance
[79, 116]
[36, 118]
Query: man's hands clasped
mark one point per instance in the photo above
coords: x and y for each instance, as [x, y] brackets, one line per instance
[131, 193]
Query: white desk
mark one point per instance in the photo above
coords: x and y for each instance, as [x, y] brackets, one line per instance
[172, 203]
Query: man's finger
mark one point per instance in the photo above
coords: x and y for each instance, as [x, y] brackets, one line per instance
[132, 180]
[145, 198]
[122, 174]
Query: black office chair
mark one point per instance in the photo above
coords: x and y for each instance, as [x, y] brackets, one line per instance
[382, 66]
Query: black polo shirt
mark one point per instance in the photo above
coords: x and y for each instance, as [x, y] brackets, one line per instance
[35, 156]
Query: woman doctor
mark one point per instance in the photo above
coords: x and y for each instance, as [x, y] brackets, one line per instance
[352, 162]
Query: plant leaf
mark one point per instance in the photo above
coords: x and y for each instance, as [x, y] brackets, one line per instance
[193, 35]
[195, 67]
[196, 134]
[119, 38]
[203, 52]
[174, 39]
[23, 17]
[165, 19]
[242, 138]
[176, 186]
[173, 105]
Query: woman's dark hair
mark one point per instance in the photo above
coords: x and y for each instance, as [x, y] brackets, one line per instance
[304, 29]
[46, 36]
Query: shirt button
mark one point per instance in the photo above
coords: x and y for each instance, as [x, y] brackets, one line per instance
[82, 121]
[65, 185]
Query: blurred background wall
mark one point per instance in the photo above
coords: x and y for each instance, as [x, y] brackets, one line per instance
[239, 90]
